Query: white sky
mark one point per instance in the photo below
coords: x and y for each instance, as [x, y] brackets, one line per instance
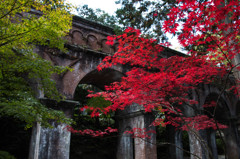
[110, 7]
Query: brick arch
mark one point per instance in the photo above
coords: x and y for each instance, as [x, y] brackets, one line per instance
[83, 63]
[93, 77]
[92, 42]
[225, 113]
[105, 48]
[201, 94]
[102, 78]
[78, 38]
[222, 110]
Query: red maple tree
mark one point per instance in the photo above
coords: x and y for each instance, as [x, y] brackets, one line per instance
[157, 82]
[210, 30]
[213, 24]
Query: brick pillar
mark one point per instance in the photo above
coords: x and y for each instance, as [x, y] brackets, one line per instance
[135, 148]
[52, 143]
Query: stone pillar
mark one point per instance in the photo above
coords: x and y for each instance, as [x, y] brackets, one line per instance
[232, 141]
[135, 148]
[175, 138]
[125, 146]
[195, 145]
[202, 144]
[52, 143]
[212, 144]
[206, 149]
[150, 143]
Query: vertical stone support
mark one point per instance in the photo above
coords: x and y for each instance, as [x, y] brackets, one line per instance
[35, 140]
[150, 143]
[199, 147]
[140, 144]
[206, 149]
[52, 143]
[125, 146]
[232, 141]
[213, 144]
[195, 145]
[135, 148]
[175, 138]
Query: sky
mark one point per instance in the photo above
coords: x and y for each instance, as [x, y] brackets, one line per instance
[110, 7]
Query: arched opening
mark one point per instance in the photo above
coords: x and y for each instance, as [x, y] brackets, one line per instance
[78, 38]
[163, 137]
[238, 118]
[102, 78]
[87, 146]
[220, 112]
[105, 48]
[178, 143]
[92, 42]
[185, 144]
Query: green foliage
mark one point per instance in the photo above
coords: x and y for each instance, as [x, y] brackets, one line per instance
[21, 29]
[99, 16]
[82, 118]
[98, 102]
[81, 93]
[6, 155]
[147, 15]
[185, 141]
[220, 145]
[81, 96]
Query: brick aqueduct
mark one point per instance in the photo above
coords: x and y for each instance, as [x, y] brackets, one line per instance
[87, 48]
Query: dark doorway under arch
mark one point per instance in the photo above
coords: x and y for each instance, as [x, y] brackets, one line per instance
[87, 147]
